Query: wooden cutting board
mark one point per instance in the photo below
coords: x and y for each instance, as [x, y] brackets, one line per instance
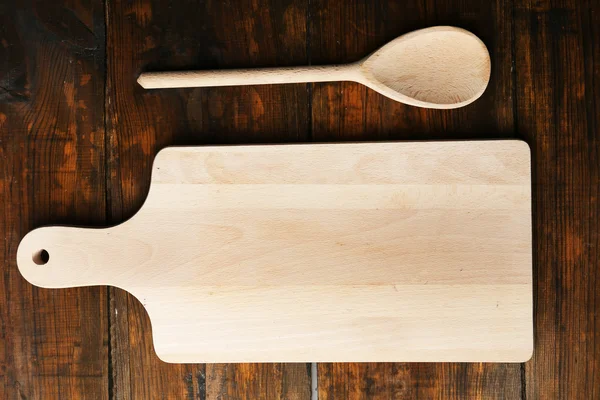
[413, 251]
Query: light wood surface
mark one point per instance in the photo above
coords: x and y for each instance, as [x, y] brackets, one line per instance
[330, 252]
[439, 67]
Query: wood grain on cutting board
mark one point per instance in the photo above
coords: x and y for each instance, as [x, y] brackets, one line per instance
[414, 251]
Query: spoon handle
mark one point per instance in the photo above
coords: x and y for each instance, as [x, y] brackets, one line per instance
[259, 76]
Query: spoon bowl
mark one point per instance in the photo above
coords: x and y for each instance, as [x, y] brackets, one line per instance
[439, 67]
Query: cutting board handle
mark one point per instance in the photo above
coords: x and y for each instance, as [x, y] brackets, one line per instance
[52, 257]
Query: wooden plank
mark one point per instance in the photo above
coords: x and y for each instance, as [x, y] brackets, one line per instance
[298, 252]
[558, 87]
[258, 381]
[415, 381]
[155, 35]
[345, 31]
[53, 343]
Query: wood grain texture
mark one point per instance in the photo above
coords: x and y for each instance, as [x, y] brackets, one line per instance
[258, 381]
[348, 111]
[555, 63]
[297, 252]
[558, 86]
[53, 344]
[417, 381]
[144, 35]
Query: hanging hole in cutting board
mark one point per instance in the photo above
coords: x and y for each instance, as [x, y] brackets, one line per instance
[41, 257]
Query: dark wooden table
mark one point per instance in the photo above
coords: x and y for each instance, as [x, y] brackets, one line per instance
[78, 135]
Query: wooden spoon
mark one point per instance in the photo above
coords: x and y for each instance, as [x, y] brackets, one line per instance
[439, 67]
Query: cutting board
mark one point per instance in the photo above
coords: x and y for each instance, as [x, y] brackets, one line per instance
[403, 251]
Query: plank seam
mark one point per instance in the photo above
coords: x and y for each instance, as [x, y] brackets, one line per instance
[309, 86]
[515, 107]
[108, 202]
[314, 381]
